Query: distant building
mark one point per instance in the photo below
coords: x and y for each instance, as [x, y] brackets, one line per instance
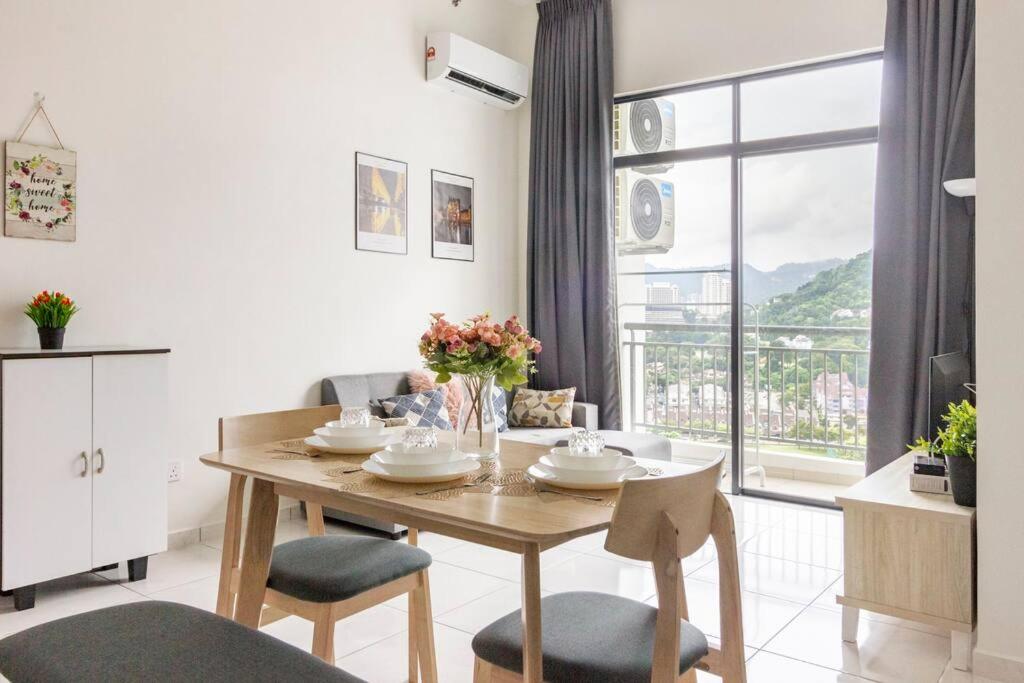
[801, 341]
[715, 295]
[662, 293]
[835, 393]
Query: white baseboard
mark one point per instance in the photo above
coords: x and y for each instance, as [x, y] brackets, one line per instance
[998, 668]
[214, 533]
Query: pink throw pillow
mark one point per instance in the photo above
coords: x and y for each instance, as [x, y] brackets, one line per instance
[424, 380]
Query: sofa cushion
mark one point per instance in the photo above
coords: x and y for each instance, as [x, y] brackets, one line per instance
[542, 437]
[535, 408]
[155, 641]
[425, 409]
[363, 390]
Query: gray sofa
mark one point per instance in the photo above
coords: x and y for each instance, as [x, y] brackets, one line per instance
[359, 390]
[366, 389]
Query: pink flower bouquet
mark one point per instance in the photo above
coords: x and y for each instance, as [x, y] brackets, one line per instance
[479, 346]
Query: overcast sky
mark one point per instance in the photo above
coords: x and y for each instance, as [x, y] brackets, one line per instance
[802, 206]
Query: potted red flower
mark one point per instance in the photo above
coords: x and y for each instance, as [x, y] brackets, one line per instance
[51, 313]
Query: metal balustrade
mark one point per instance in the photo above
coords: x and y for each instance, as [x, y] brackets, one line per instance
[806, 396]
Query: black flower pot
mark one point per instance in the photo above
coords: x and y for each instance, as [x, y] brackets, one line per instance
[963, 478]
[51, 338]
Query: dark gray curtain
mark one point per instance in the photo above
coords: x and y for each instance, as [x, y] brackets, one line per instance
[922, 273]
[571, 245]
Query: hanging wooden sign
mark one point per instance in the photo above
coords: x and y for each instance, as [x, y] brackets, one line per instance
[40, 186]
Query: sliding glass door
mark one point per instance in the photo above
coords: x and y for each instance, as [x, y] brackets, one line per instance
[743, 228]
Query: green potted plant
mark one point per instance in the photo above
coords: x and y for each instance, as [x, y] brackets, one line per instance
[51, 313]
[957, 442]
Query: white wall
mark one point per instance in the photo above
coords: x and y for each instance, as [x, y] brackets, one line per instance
[215, 149]
[666, 42]
[1000, 319]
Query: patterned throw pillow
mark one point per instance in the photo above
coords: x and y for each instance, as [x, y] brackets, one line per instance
[500, 404]
[532, 408]
[424, 380]
[424, 409]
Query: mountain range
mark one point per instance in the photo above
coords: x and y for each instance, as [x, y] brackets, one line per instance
[759, 285]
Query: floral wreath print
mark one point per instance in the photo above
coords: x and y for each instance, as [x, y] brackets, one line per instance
[20, 171]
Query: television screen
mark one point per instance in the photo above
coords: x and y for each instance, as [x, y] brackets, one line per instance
[947, 375]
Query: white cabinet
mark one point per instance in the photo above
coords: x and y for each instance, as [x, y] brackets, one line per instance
[83, 447]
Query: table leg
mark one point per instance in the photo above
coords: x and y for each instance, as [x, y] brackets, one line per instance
[851, 615]
[259, 544]
[232, 545]
[960, 650]
[533, 663]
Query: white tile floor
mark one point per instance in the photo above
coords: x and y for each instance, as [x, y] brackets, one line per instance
[791, 570]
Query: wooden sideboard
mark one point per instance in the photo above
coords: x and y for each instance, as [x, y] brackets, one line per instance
[909, 555]
[83, 463]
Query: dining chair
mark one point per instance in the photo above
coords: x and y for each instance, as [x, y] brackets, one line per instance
[597, 637]
[325, 578]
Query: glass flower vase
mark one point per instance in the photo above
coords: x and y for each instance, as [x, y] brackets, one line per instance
[476, 433]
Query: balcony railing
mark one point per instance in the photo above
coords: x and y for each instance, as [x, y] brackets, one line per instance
[808, 393]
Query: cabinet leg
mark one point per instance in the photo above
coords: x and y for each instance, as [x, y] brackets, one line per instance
[137, 568]
[25, 597]
[960, 650]
[851, 615]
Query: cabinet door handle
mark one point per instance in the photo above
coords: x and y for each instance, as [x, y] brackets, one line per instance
[85, 464]
[103, 461]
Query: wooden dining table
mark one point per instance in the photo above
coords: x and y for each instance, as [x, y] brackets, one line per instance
[507, 511]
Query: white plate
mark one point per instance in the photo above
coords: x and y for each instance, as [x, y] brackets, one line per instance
[561, 456]
[367, 444]
[548, 477]
[394, 455]
[424, 469]
[464, 467]
[588, 476]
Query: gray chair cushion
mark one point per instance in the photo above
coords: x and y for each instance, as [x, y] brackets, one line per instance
[155, 641]
[333, 568]
[588, 637]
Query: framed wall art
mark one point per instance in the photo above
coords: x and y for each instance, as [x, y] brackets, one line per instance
[381, 204]
[451, 216]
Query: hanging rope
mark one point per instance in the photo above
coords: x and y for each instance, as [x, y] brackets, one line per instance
[35, 112]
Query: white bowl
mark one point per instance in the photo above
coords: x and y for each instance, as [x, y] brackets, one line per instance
[367, 442]
[389, 457]
[561, 456]
[605, 476]
[398, 454]
[421, 474]
[338, 430]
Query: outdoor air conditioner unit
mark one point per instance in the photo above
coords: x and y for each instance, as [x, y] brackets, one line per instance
[643, 127]
[462, 66]
[644, 213]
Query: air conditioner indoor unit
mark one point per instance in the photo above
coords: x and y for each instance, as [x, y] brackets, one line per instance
[460, 65]
[643, 127]
[644, 213]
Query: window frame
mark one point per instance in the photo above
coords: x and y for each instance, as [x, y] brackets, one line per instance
[737, 150]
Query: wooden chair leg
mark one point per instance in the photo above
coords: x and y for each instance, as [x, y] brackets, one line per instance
[323, 635]
[481, 671]
[231, 551]
[413, 539]
[688, 676]
[315, 519]
[424, 629]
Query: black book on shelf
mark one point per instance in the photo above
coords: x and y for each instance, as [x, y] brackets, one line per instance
[927, 464]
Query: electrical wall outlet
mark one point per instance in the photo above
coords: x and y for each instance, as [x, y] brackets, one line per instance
[174, 470]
